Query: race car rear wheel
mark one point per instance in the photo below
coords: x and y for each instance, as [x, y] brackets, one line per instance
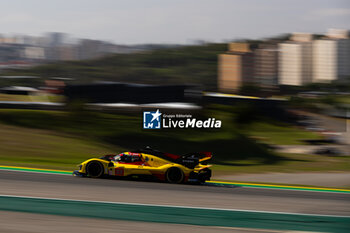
[174, 175]
[94, 169]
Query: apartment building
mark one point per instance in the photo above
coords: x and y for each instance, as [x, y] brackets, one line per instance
[236, 67]
[266, 65]
[295, 60]
[331, 57]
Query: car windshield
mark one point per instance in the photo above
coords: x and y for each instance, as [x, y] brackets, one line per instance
[127, 158]
[116, 158]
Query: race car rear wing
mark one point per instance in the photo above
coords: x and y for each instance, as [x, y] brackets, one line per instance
[191, 160]
[206, 156]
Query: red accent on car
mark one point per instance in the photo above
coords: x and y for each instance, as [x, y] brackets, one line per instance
[134, 154]
[206, 154]
[132, 163]
[172, 156]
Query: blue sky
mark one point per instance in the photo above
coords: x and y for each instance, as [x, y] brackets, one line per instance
[172, 21]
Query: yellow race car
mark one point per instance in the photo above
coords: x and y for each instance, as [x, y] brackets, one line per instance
[147, 162]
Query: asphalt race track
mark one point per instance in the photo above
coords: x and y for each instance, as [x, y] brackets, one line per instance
[27, 184]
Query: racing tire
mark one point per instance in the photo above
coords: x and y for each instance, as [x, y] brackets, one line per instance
[174, 175]
[94, 169]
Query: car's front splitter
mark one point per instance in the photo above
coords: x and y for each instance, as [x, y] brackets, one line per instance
[77, 173]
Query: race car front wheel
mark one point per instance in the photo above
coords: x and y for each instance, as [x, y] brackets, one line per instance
[94, 169]
[174, 175]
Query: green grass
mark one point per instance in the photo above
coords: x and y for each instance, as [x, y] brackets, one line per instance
[228, 143]
[281, 135]
[46, 149]
[7, 97]
[22, 146]
[343, 99]
[32, 98]
[290, 163]
[57, 139]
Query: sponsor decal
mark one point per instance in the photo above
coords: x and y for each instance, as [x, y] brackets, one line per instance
[157, 120]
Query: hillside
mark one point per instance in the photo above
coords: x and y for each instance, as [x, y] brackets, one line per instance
[188, 64]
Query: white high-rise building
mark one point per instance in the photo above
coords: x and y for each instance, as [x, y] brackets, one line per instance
[334, 33]
[325, 60]
[331, 57]
[295, 63]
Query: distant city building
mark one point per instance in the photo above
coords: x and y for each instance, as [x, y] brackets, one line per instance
[236, 67]
[266, 65]
[298, 61]
[10, 52]
[248, 64]
[8, 40]
[301, 37]
[89, 49]
[331, 57]
[31, 52]
[295, 60]
[67, 53]
[55, 39]
[338, 33]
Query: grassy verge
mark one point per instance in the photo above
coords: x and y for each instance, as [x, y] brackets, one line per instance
[343, 99]
[6, 97]
[31, 98]
[21, 146]
[280, 135]
[289, 163]
[60, 140]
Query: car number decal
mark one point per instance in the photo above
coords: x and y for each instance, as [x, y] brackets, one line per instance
[119, 171]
